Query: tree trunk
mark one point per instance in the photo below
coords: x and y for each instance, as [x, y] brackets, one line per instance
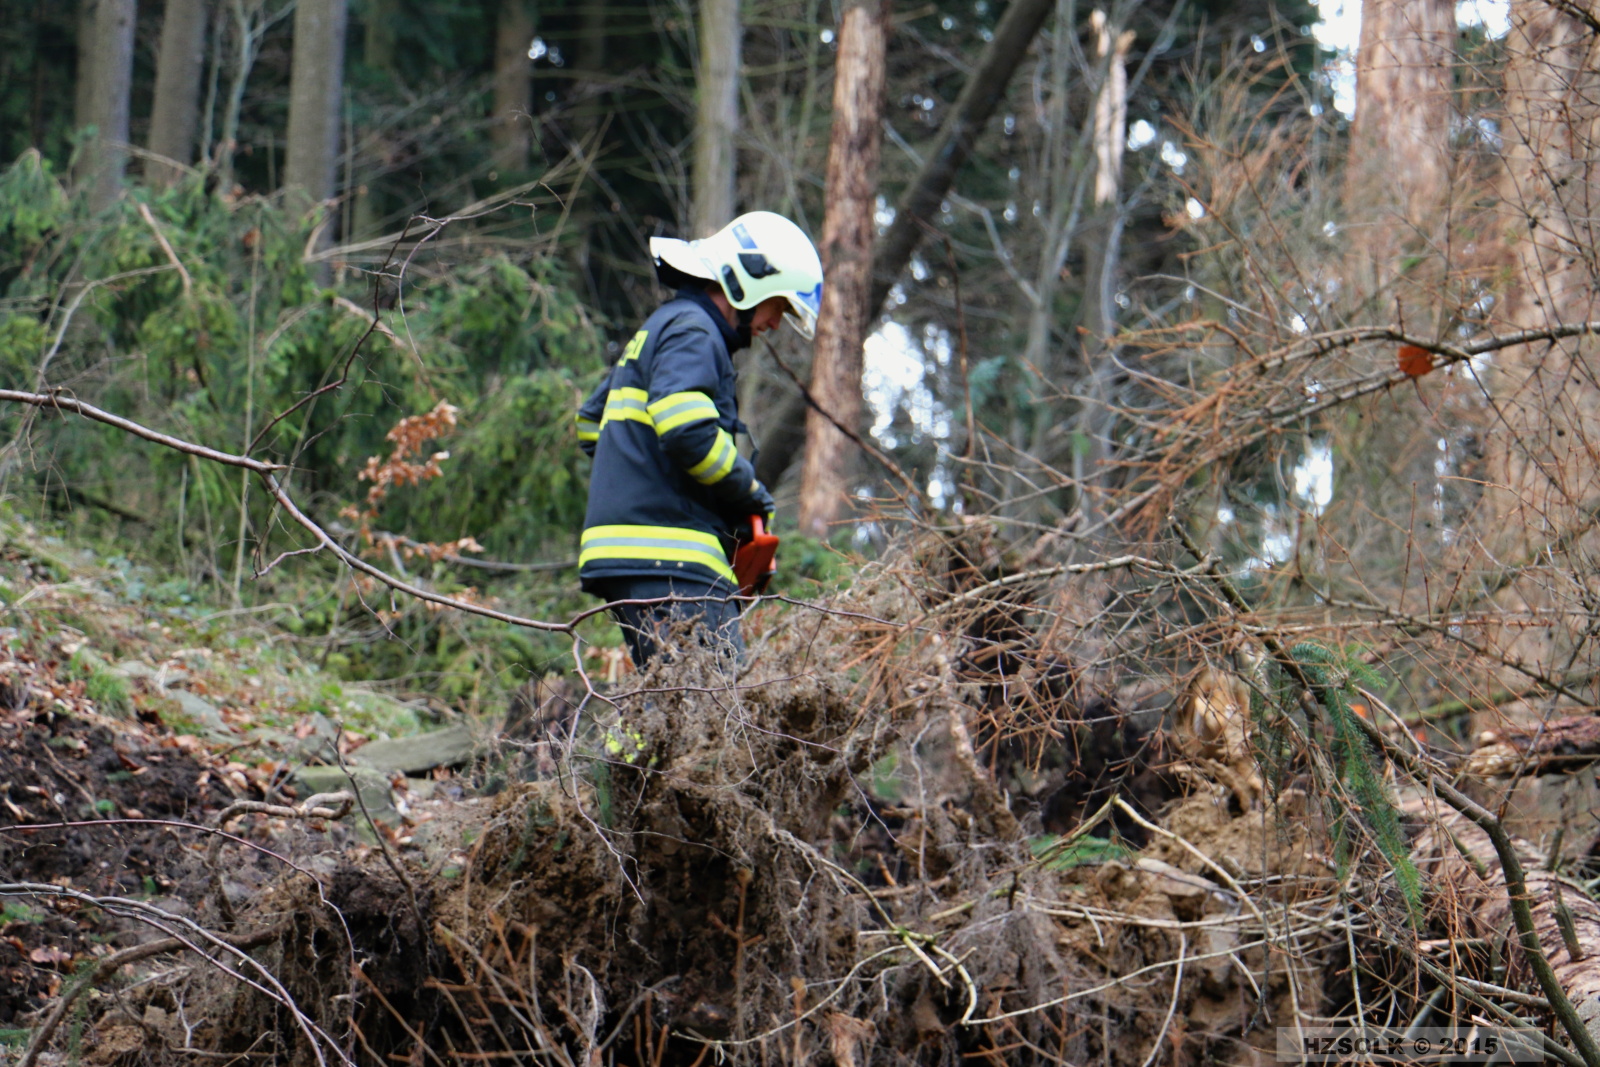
[105, 72]
[847, 231]
[1110, 130]
[1397, 180]
[511, 124]
[984, 90]
[379, 43]
[588, 64]
[316, 83]
[1544, 483]
[716, 117]
[83, 90]
[175, 114]
[1100, 241]
[1400, 137]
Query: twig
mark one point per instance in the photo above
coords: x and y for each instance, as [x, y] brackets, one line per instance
[108, 965]
[1172, 1007]
[161, 238]
[355, 968]
[1478, 994]
[325, 540]
[1446, 709]
[72, 309]
[383, 844]
[56, 401]
[743, 877]
[320, 806]
[1114, 564]
[1516, 887]
[346, 304]
[166, 922]
[888, 464]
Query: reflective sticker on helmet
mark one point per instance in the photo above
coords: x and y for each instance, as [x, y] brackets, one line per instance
[812, 298]
[742, 235]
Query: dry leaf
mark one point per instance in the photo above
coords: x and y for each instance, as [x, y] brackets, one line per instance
[1415, 361]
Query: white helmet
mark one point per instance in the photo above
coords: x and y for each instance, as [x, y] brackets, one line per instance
[756, 256]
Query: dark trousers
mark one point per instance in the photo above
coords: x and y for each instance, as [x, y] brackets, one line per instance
[645, 627]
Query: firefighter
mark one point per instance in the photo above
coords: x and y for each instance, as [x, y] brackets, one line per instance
[669, 489]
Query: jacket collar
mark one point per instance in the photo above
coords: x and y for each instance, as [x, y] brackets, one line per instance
[730, 336]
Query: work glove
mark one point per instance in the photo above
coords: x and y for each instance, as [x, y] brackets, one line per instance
[766, 507]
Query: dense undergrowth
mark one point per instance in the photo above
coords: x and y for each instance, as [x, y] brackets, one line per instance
[196, 315]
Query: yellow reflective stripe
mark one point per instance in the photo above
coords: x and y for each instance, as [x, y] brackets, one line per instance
[669, 544]
[627, 404]
[718, 462]
[588, 429]
[666, 534]
[680, 409]
[635, 346]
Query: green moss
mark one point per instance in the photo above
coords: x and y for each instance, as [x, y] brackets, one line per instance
[1085, 850]
[108, 691]
[14, 911]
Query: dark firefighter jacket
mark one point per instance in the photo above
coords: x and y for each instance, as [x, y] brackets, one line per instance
[668, 486]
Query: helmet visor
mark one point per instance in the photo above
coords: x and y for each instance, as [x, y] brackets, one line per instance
[805, 307]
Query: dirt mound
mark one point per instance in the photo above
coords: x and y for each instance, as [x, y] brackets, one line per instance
[100, 799]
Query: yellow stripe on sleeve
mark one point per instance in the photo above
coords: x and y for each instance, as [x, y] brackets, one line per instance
[627, 404]
[718, 462]
[681, 409]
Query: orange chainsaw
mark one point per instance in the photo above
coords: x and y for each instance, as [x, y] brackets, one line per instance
[755, 561]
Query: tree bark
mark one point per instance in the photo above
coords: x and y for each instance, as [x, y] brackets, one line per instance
[1110, 131]
[1543, 481]
[83, 90]
[175, 113]
[316, 83]
[847, 230]
[716, 117]
[588, 65]
[1110, 108]
[511, 124]
[1397, 179]
[1400, 137]
[973, 108]
[105, 60]
[1100, 241]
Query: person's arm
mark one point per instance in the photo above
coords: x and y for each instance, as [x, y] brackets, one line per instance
[682, 382]
[587, 421]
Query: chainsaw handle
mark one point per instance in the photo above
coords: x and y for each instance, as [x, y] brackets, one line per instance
[755, 561]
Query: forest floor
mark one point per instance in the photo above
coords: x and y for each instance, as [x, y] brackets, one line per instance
[766, 872]
[128, 715]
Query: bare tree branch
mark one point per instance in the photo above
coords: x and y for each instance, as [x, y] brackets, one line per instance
[985, 88]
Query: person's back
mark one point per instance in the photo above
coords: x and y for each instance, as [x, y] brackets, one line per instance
[669, 489]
